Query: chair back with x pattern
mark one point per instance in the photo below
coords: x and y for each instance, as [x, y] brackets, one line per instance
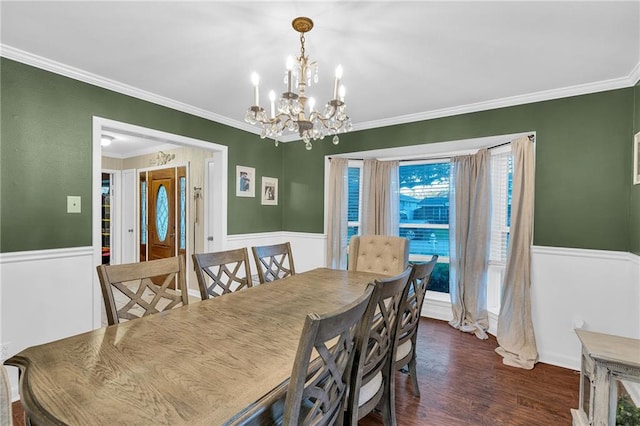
[372, 380]
[144, 288]
[411, 310]
[273, 262]
[222, 272]
[318, 388]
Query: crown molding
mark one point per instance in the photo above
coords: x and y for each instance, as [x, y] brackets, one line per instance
[634, 75]
[96, 80]
[545, 95]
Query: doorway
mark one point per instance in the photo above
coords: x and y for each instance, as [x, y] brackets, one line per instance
[217, 224]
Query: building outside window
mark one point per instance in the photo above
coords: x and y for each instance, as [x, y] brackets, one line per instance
[424, 215]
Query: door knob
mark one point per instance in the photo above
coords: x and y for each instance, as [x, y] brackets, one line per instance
[209, 238]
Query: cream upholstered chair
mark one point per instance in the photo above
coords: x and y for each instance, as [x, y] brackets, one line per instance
[5, 398]
[144, 288]
[373, 373]
[222, 272]
[382, 254]
[408, 324]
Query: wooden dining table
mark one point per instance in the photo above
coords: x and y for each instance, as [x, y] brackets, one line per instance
[215, 362]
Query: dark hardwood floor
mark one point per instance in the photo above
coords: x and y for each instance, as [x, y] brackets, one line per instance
[463, 382]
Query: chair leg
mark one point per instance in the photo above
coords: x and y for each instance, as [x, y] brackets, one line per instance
[414, 376]
[388, 402]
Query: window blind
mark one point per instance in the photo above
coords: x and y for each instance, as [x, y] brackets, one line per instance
[501, 181]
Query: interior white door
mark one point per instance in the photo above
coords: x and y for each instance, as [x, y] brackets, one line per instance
[129, 215]
[213, 238]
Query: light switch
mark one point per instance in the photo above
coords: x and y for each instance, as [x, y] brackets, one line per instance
[73, 204]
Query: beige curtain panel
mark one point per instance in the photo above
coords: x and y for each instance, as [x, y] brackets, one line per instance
[5, 398]
[380, 198]
[337, 221]
[515, 329]
[469, 237]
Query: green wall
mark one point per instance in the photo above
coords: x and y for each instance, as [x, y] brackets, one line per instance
[584, 197]
[45, 155]
[634, 221]
[582, 168]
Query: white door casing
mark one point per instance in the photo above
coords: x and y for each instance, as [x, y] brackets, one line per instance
[220, 157]
[129, 215]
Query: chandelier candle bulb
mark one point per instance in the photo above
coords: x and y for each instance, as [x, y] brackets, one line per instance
[255, 79]
[289, 69]
[272, 99]
[342, 92]
[336, 83]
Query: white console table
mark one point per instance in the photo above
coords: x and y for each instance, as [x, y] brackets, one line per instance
[606, 360]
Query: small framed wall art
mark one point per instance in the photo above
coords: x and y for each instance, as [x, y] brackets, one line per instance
[636, 159]
[245, 181]
[269, 191]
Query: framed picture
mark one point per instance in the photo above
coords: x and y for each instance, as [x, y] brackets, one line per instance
[245, 181]
[269, 191]
[636, 159]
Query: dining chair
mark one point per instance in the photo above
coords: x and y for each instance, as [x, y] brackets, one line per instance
[372, 375]
[408, 324]
[321, 371]
[222, 272]
[144, 288]
[273, 262]
[5, 398]
[382, 254]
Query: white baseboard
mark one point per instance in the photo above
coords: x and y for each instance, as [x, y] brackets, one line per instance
[437, 309]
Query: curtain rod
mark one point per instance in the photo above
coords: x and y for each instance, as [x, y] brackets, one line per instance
[531, 138]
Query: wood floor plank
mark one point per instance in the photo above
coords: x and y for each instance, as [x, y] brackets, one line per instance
[464, 383]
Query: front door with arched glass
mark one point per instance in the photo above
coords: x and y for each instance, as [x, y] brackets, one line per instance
[163, 213]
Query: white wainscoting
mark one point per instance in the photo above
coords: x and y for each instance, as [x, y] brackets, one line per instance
[594, 289]
[47, 295]
[309, 250]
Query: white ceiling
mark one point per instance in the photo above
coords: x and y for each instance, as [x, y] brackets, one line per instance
[403, 61]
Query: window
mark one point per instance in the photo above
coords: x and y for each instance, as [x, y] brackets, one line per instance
[353, 203]
[501, 185]
[424, 215]
[501, 188]
[143, 212]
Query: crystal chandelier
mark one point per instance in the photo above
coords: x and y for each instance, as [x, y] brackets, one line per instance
[295, 111]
